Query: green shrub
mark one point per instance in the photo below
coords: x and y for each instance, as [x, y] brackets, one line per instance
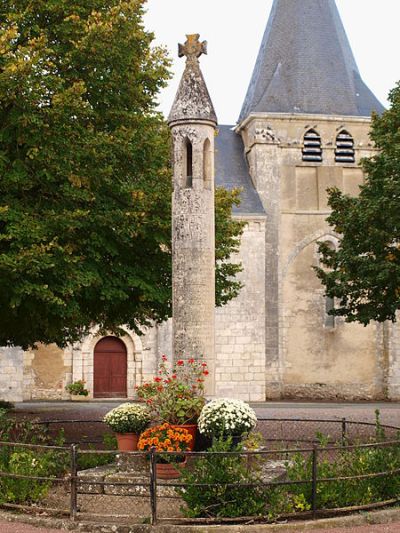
[219, 500]
[92, 460]
[26, 461]
[4, 404]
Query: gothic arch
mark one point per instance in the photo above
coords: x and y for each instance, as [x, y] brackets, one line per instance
[321, 235]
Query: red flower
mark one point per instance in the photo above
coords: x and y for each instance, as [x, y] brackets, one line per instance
[200, 380]
[191, 361]
[205, 373]
[180, 362]
[149, 402]
[160, 388]
[174, 376]
[157, 380]
[204, 364]
[164, 358]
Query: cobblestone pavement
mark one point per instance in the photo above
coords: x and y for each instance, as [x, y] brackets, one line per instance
[384, 528]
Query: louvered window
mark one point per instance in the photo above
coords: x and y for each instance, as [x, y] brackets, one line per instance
[312, 150]
[344, 152]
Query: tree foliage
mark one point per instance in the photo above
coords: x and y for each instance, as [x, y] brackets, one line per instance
[85, 183]
[364, 272]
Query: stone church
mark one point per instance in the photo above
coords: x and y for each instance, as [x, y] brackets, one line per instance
[303, 127]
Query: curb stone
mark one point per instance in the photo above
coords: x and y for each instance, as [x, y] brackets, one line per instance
[387, 516]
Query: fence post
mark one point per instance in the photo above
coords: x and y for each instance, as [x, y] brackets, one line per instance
[344, 432]
[74, 482]
[314, 480]
[153, 486]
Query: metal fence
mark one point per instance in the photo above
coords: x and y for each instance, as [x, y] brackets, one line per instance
[82, 498]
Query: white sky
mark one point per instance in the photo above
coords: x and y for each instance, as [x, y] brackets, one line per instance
[234, 29]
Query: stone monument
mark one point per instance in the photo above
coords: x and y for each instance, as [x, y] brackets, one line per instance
[193, 125]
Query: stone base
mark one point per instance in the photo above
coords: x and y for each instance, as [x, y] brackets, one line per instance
[137, 477]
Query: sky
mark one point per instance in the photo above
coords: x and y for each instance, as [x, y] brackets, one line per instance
[234, 30]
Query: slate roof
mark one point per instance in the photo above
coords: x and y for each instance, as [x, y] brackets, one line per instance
[306, 65]
[231, 171]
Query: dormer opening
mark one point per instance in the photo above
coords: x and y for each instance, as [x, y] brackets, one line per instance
[207, 164]
[189, 164]
[312, 148]
[344, 152]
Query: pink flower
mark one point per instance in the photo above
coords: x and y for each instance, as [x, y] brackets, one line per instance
[164, 358]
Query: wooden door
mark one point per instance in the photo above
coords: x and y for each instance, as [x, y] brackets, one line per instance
[110, 369]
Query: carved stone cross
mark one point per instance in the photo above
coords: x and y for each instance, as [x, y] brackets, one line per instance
[193, 48]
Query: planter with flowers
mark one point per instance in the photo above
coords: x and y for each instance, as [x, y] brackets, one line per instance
[166, 438]
[227, 418]
[77, 390]
[128, 421]
[178, 396]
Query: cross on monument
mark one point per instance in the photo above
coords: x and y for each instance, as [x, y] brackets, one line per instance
[193, 48]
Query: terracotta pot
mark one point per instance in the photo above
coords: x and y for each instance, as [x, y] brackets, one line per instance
[168, 470]
[127, 442]
[192, 430]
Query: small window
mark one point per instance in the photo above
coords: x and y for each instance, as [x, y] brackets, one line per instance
[344, 152]
[329, 306]
[312, 149]
[207, 164]
[189, 165]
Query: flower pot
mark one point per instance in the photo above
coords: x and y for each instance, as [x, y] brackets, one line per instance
[169, 470]
[78, 398]
[192, 430]
[127, 442]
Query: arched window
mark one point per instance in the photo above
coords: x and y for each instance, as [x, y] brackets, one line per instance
[344, 152]
[312, 149]
[207, 164]
[329, 320]
[189, 164]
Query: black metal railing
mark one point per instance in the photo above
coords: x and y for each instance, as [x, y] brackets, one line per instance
[345, 433]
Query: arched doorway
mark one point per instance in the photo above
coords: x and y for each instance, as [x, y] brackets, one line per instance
[110, 369]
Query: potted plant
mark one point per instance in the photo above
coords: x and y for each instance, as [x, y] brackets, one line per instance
[178, 396]
[225, 417]
[77, 390]
[166, 438]
[128, 421]
[146, 391]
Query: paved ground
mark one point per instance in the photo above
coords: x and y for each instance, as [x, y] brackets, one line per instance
[7, 527]
[12, 527]
[390, 412]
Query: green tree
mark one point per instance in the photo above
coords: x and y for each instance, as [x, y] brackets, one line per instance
[85, 183]
[364, 272]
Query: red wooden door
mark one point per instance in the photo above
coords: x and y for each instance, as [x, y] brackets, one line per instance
[110, 369]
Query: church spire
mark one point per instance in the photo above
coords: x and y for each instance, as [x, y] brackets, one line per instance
[192, 101]
[305, 65]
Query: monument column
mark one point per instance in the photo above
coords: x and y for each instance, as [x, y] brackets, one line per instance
[193, 122]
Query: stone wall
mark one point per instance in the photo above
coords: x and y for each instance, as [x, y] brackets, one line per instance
[11, 374]
[240, 325]
[306, 358]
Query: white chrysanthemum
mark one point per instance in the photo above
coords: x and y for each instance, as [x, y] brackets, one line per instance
[128, 418]
[226, 416]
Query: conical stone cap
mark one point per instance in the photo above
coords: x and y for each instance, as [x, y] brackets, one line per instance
[306, 66]
[192, 101]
